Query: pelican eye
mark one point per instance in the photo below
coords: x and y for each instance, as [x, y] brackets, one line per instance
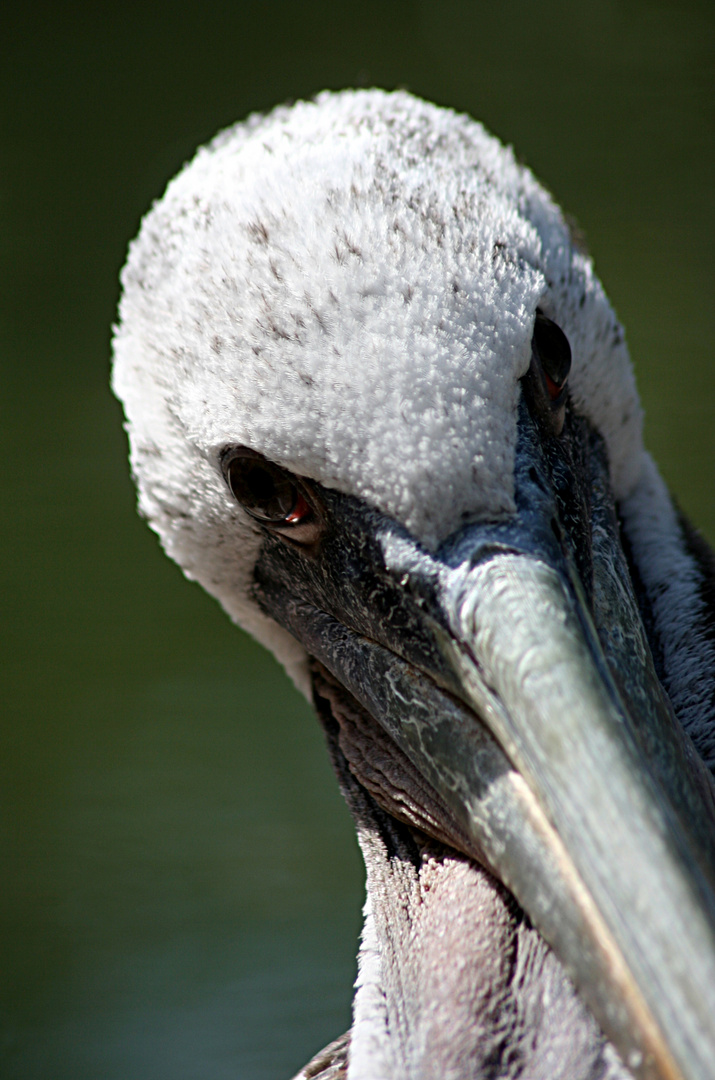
[553, 352]
[265, 491]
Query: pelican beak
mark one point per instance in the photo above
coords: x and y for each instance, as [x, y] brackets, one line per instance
[513, 669]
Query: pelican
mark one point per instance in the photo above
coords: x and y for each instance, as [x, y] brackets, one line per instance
[379, 406]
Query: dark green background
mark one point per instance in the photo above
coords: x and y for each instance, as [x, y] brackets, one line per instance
[180, 889]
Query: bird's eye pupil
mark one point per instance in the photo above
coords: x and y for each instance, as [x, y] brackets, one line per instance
[263, 489]
[552, 350]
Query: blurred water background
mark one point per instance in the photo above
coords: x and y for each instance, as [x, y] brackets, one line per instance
[180, 887]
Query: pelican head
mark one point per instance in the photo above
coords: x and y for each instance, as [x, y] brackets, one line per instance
[379, 406]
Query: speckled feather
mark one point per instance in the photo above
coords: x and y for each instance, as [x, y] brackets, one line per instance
[348, 286]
